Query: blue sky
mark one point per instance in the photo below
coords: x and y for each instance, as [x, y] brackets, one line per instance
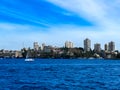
[55, 21]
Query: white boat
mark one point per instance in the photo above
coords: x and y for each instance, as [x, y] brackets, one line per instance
[29, 59]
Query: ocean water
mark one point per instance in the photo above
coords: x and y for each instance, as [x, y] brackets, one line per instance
[59, 74]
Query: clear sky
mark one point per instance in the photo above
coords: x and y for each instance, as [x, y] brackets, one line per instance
[55, 21]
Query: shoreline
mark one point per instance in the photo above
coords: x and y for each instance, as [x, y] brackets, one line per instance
[65, 58]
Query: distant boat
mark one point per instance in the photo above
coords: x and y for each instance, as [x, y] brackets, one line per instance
[28, 59]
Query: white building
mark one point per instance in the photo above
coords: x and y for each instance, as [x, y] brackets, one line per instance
[42, 47]
[48, 49]
[97, 47]
[18, 54]
[68, 44]
[36, 46]
[87, 44]
[111, 46]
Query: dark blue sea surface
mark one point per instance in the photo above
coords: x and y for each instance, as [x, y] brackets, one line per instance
[59, 74]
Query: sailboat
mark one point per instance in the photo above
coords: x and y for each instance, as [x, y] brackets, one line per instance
[27, 57]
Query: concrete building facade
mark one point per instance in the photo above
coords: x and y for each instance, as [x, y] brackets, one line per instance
[87, 44]
[36, 46]
[68, 44]
[106, 47]
[111, 46]
[97, 47]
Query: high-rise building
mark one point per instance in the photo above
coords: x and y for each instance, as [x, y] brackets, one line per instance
[68, 44]
[97, 47]
[111, 46]
[48, 49]
[42, 47]
[87, 44]
[36, 46]
[106, 47]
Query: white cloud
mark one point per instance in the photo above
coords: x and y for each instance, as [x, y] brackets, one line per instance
[101, 12]
[105, 14]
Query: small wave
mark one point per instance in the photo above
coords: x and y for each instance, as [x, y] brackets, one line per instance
[26, 87]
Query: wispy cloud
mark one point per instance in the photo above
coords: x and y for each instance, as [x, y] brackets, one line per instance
[98, 11]
[37, 13]
[105, 15]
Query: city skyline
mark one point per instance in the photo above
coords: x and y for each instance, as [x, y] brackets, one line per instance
[87, 46]
[56, 21]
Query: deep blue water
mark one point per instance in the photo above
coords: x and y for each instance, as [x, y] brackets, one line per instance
[59, 74]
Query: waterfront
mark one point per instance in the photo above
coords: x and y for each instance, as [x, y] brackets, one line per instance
[59, 74]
